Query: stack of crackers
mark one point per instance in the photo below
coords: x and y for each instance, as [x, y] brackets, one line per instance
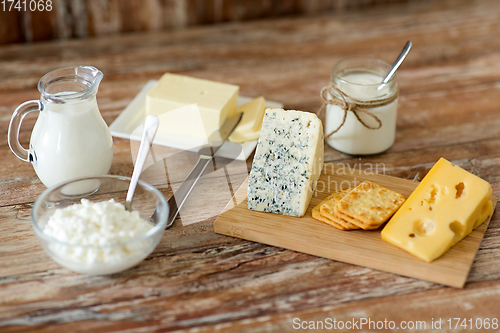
[367, 207]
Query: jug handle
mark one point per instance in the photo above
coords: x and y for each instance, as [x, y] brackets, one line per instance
[15, 126]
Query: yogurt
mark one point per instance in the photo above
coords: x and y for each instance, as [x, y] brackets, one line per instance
[353, 137]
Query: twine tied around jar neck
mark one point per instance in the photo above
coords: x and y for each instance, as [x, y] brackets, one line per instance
[334, 96]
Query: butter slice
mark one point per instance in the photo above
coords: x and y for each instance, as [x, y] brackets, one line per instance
[444, 208]
[216, 102]
[251, 122]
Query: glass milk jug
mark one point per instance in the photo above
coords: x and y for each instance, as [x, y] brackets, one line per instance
[70, 139]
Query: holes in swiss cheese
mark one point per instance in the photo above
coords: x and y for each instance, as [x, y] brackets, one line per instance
[460, 189]
[422, 227]
[486, 208]
[430, 198]
[457, 228]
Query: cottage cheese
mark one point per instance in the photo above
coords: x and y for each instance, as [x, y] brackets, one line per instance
[99, 234]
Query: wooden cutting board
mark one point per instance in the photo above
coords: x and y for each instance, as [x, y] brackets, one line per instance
[359, 247]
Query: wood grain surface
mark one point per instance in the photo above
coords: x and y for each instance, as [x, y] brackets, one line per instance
[358, 247]
[197, 280]
[82, 19]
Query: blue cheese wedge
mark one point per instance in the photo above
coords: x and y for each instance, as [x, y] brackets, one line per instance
[287, 162]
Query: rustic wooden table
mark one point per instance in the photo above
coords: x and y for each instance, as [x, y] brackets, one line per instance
[449, 106]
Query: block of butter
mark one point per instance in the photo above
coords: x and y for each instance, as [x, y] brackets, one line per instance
[216, 102]
[444, 208]
[249, 127]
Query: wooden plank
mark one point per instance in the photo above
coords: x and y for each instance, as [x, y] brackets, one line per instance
[201, 281]
[428, 311]
[97, 18]
[11, 27]
[359, 247]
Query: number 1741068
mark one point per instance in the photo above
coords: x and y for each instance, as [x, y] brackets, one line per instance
[479, 323]
[26, 5]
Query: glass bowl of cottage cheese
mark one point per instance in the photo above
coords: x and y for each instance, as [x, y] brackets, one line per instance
[83, 225]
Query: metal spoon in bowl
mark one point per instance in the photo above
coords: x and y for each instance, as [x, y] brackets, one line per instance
[150, 127]
[396, 64]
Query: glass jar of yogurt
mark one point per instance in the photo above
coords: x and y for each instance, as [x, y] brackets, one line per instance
[360, 111]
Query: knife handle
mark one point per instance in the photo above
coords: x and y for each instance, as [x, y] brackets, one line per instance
[179, 197]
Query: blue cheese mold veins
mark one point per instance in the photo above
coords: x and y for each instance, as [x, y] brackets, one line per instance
[287, 163]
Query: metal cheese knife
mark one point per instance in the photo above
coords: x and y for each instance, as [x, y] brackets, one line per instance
[206, 155]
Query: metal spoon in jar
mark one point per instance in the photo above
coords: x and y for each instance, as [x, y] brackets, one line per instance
[396, 64]
[150, 127]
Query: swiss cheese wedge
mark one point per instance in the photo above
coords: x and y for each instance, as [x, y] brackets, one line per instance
[444, 208]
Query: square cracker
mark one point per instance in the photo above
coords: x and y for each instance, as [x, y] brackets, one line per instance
[319, 211]
[318, 216]
[369, 205]
[358, 224]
